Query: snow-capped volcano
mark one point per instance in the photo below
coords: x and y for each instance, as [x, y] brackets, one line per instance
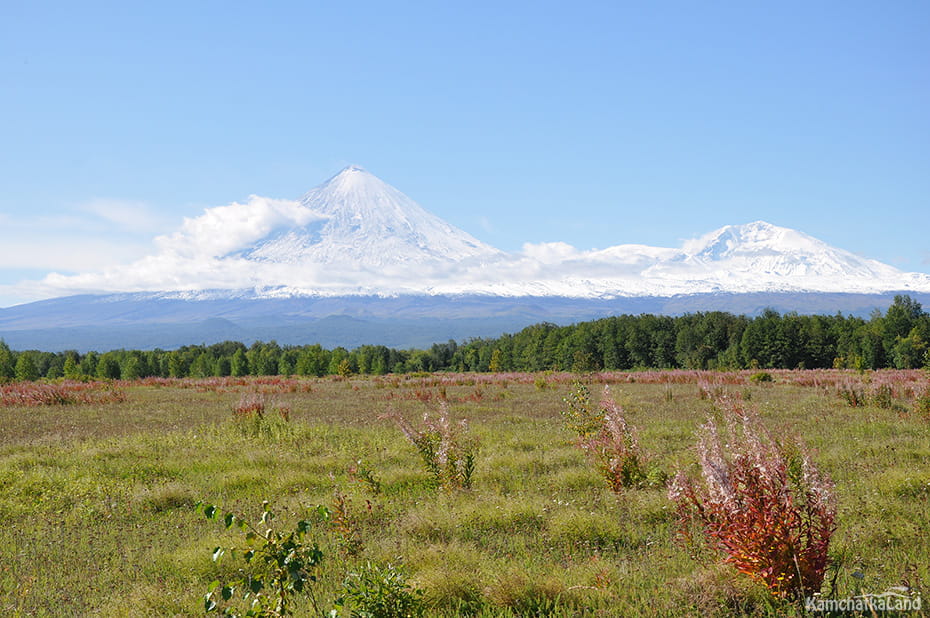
[361, 221]
[759, 256]
[765, 248]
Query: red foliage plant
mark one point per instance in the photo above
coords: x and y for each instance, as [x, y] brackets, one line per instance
[764, 505]
[31, 394]
[250, 405]
[254, 406]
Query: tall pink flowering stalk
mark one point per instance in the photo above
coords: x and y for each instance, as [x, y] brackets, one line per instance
[447, 451]
[765, 506]
[608, 440]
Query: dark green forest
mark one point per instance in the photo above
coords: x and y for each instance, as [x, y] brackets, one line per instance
[714, 340]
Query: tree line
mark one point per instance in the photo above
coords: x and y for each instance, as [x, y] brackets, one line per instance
[899, 338]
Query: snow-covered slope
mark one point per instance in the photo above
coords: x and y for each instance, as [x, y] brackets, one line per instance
[764, 248]
[754, 257]
[365, 222]
[759, 256]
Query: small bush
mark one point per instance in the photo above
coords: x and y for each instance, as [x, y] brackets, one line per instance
[447, 451]
[361, 473]
[761, 377]
[765, 506]
[250, 405]
[526, 596]
[280, 566]
[379, 592]
[579, 414]
[253, 405]
[609, 441]
[343, 524]
[852, 394]
[922, 405]
[255, 418]
[882, 397]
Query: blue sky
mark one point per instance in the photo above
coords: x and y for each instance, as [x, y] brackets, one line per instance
[592, 123]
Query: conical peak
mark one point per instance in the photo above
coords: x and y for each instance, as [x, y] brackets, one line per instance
[367, 221]
[353, 179]
[352, 169]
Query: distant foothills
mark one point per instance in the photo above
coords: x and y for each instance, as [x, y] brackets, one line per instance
[899, 338]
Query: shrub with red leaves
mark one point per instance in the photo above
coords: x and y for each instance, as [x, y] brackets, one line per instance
[764, 505]
[250, 405]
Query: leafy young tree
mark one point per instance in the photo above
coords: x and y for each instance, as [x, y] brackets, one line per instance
[202, 367]
[312, 361]
[72, 368]
[285, 366]
[176, 367]
[222, 367]
[239, 365]
[26, 368]
[108, 368]
[909, 352]
[495, 364]
[55, 369]
[89, 364]
[131, 368]
[7, 363]
[335, 360]
[263, 358]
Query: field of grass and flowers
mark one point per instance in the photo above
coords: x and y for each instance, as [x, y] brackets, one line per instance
[521, 511]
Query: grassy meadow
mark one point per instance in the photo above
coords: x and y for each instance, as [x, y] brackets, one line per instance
[97, 495]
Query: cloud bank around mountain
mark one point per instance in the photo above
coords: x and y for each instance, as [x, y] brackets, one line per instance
[355, 234]
[206, 252]
[224, 229]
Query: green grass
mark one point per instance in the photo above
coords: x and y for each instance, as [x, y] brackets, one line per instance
[97, 501]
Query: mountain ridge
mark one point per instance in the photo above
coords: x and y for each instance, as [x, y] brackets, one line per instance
[144, 321]
[365, 225]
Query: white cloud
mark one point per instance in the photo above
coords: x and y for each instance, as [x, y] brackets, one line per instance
[202, 255]
[550, 252]
[224, 229]
[194, 257]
